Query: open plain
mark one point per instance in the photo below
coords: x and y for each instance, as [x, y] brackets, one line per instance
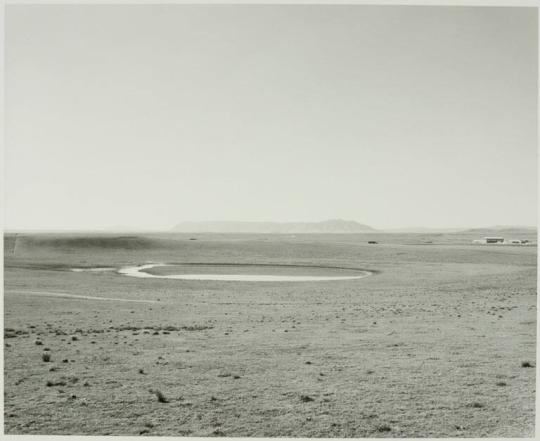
[438, 342]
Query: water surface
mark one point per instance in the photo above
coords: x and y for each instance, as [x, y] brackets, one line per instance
[141, 272]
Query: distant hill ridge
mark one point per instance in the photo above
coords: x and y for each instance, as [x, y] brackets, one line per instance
[87, 242]
[502, 230]
[328, 226]
[505, 227]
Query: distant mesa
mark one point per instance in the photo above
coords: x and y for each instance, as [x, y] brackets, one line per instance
[329, 226]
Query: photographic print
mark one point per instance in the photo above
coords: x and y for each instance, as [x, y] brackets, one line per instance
[254, 220]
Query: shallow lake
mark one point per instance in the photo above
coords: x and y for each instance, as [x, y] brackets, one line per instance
[246, 273]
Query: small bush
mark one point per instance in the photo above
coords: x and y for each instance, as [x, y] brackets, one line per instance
[160, 397]
[526, 364]
[306, 398]
[46, 357]
[384, 428]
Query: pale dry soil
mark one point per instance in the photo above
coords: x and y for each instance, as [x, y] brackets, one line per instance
[432, 345]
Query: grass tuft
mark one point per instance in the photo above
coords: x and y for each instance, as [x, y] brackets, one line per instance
[477, 405]
[384, 428]
[55, 383]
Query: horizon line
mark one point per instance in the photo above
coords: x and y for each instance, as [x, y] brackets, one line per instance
[131, 229]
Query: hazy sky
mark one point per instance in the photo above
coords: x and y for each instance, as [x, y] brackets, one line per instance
[146, 116]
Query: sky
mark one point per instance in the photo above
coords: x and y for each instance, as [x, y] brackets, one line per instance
[144, 116]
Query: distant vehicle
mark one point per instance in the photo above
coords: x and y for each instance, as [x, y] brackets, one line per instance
[372, 242]
[192, 238]
[494, 239]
